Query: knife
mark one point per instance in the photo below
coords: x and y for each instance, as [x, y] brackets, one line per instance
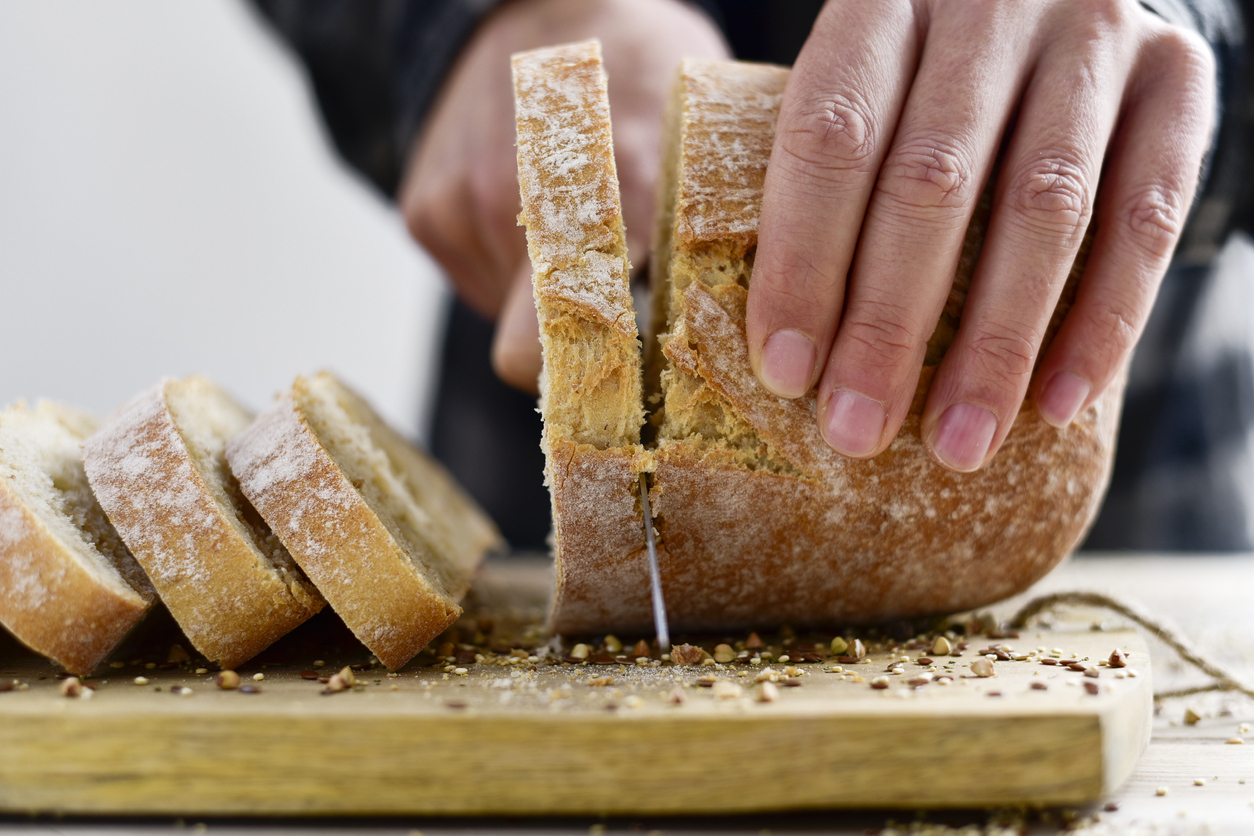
[655, 576]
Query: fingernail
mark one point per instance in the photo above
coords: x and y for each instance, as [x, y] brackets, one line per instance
[1062, 398]
[854, 424]
[788, 363]
[963, 436]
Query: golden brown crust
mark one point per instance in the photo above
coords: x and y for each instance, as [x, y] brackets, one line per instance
[224, 593]
[335, 536]
[760, 521]
[52, 601]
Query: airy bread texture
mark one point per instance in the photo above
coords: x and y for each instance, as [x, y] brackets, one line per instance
[158, 466]
[69, 589]
[381, 530]
[590, 388]
[759, 521]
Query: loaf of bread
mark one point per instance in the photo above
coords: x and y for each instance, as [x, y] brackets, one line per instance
[759, 521]
[158, 466]
[382, 531]
[69, 589]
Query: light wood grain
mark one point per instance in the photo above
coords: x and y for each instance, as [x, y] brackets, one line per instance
[534, 738]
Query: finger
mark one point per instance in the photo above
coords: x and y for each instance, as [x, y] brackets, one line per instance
[836, 118]
[440, 216]
[516, 343]
[1042, 203]
[968, 81]
[1145, 197]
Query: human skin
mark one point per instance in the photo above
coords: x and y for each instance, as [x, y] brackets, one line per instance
[889, 128]
[460, 195]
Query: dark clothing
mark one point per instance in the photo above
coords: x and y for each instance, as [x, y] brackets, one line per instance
[1184, 473]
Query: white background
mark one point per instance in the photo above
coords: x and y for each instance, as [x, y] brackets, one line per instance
[169, 204]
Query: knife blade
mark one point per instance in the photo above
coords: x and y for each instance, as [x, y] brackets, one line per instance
[655, 575]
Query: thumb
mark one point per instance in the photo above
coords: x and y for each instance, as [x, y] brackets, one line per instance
[516, 344]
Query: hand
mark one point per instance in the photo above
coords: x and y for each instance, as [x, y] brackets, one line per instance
[887, 134]
[460, 196]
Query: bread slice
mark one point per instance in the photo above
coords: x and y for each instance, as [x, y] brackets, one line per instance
[69, 589]
[590, 387]
[382, 531]
[158, 466]
[760, 522]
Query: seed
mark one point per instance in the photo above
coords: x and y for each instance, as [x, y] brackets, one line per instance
[920, 680]
[676, 696]
[1199, 782]
[117, 664]
[1244, 728]
[460, 671]
[1092, 673]
[726, 690]
[941, 646]
[783, 657]
[925, 661]
[641, 650]
[754, 642]
[983, 667]
[72, 687]
[228, 680]
[1161, 791]
[345, 674]
[201, 671]
[580, 651]
[318, 663]
[839, 646]
[1191, 717]
[612, 644]
[1235, 741]
[858, 651]
[177, 654]
[1092, 688]
[1039, 686]
[1118, 659]
[141, 680]
[257, 677]
[686, 655]
[768, 693]
[335, 684]
[724, 653]
[879, 683]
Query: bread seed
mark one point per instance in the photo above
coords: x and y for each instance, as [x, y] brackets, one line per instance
[1161, 791]
[72, 687]
[346, 675]
[879, 683]
[141, 680]
[641, 650]
[839, 646]
[335, 684]
[858, 651]
[613, 645]
[1039, 686]
[1092, 688]
[177, 654]
[1199, 782]
[754, 642]
[1191, 717]
[1118, 659]
[228, 680]
[580, 651]
[686, 654]
[941, 647]
[768, 693]
[1235, 741]
[676, 696]
[983, 667]
[257, 677]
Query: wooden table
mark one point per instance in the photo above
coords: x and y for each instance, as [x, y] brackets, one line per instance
[1209, 597]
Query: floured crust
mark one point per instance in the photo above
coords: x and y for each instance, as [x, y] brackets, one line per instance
[354, 557]
[227, 595]
[759, 521]
[61, 598]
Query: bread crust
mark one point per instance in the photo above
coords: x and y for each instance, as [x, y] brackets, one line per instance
[226, 596]
[760, 522]
[335, 536]
[52, 602]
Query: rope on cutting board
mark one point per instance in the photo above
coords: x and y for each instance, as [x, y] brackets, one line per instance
[1224, 680]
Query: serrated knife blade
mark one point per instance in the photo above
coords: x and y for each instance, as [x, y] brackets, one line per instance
[655, 575]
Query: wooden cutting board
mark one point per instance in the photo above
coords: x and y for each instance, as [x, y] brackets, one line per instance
[535, 735]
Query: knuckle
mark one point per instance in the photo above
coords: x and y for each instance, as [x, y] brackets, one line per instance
[834, 135]
[1183, 54]
[1052, 196]
[884, 333]
[1153, 221]
[1003, 353]
[1111, 329]
[927, 173]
